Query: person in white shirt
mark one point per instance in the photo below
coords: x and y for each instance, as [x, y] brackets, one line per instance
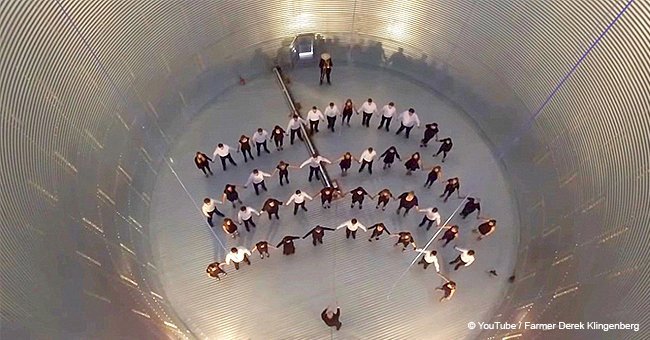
[430, 215]
[245, 215]
[223, 151]
[408, 119]
[367, 157]
[257, 178]
[351, 227]
[299, 201]
[368, 108]
[294, 127]
[387, 113]
[238, 255]
[314, 165]
[260, 137]
[429, 257]
[331, 112]
[209, 208]
[465, 258]
[314, 116]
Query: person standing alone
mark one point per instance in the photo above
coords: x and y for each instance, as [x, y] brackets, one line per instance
[325, 66]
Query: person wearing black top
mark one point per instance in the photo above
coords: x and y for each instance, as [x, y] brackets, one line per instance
[433, 175]
[407, 201]
[486, 228]
[348, 108]
[389, 156]
[326, 195]
[332, 319]
[473, 204]
[230, 227]
[317, 234]
[453, 184]
[413, 163]
[384, 197]
[278, 137]
[405, 238]
[448, 288]
[245, 147]
[450, 234]
[444, 147]
[379, 229]
[430, 131]
[345, 162]
[271, 207]
[230, 193]
[325, 66]
[288, 247]
[263, 248]
[214, 269]
[202, 162]
[283, 169]
[358, 195]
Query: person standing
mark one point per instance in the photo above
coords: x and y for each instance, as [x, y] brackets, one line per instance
[331, 318]
[278, 137]
[389, 156]
[325, 65]
[331, 112]
[317, 234]
[202, 162]
[384, 197]
[408, 119]
[348, 108]
[230, 193]
[448, 289]
[314, 116]
[271, 207]
[294, 128]
[223, 151]
[358, 195]
[245, 215]
[407, 200]
[367, 157]
[263, 248]
[473, 204]
[378, 230]
[326, 196]
[314, 165]
[453, 184]
[368, 108]
[257, 178]
[430, 131]
[299, 201]
[450, 234]
[413, 163]
[387, 113]
[445, 147]
[283, 170]
[486, 228]
[429, 257]
[259, 137]
[230, 227]
[238, 255]
[209, 208]
[405, 238]
[432, 176]
[431, 215]
[214, 269]
[465, 258]
[351, 228]
[288, 247]
[345, 163]
[245, 147]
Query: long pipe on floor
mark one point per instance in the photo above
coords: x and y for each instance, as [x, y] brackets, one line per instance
[325, 178]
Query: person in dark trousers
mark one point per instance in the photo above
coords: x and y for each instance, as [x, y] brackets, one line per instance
[326, 196]
[209, 208]
[389, 156]
[445, 147]
[453, 184]
[331, 112]
[433, 175]
[202, 162]
[430, 132]
[448, 289]
[348, 108]
[358, 195]
[473, 204]
[314, 165]
[408, 119]
[368, 108]
[431, 216]
[429, 257]
[413, 163]
[294, 128]
[317, 234]
[314, 116]
[257, 178]
[345, 163]
[214, 269]
[450, 234]
[486, 228]
[407, 200]
[383, 197]
[351, 228]
[299, 201]
[238, 255]
[288, 247]
[230, 193]
[331, 318]
[283, 170]
[278, 137]
[325, 65]
[366, 159]
[378, 230]
[223, 151]
[387, 113]
[259, 137]
[245, 147]
[465, 258]
[263, 248]
[245, 215]
[405, 238]
[271, 207]
[230, 227]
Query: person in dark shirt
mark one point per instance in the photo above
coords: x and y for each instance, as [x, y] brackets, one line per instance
[317, 234]
[214, 269]
[288, 247]
[325, 65]
[450, 234]
[405, 238]
[358, 195]
[263, 248]
[445, 147]
[453, 184]
[271, 207]
[345, 162]
[244, 145]
[413, 163]
[473, 204]
[230, 227]
[389, 156]
[378, 230]
[430, 131]
[332, 319]
[486, 228]
[407, 201]
[230, 193]
[326, 196]
[348, 108]
[433, 175]
[448, 288]
[384, 197]
[202, 162]
[278, 134]
[283, 169]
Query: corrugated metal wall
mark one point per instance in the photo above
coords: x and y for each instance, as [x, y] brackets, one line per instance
[94, 92]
